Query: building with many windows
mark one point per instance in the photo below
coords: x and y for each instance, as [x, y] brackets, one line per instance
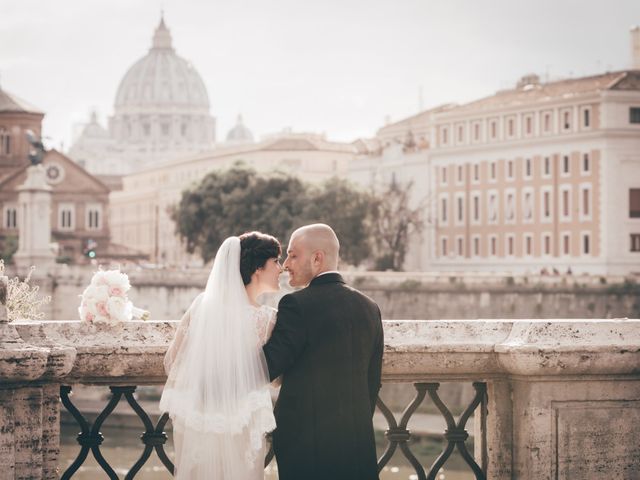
[542, 175]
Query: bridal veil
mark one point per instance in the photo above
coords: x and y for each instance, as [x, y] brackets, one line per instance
[217, 388]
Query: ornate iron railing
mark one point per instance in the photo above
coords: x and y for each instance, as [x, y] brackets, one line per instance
[398, 435]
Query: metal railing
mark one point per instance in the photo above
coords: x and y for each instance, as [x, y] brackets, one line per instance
[398, 435]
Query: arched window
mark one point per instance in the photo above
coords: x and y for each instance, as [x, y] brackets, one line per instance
[5, 141]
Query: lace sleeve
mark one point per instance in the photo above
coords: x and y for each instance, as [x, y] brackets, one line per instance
[265, 321]
[178, 339]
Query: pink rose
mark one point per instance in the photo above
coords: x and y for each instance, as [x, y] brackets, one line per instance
[89, 317]
[116, 292]
[102, 309]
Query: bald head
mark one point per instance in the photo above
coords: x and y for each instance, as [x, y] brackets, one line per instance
[319, 236]
[313, 249]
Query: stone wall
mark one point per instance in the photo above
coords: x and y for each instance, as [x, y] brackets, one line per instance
[168, 293]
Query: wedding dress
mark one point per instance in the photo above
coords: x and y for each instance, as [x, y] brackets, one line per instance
[217, 391]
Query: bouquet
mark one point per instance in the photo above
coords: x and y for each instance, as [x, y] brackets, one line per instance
[105, 299]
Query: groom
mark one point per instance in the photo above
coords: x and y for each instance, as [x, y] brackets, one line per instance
[327, 344]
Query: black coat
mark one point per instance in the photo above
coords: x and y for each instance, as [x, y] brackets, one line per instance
[327, 343]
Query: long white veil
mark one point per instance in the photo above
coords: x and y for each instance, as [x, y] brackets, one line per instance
[217, 389]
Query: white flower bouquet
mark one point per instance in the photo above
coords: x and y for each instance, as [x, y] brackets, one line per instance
[105, 299]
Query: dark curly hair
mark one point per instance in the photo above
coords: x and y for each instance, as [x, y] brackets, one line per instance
[255, 249]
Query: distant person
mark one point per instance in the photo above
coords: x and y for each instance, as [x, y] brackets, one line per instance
[327, 344]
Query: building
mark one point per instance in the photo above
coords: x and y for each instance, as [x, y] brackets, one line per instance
[79, 213]
[140, 212]
[161, 112]
[544, 175]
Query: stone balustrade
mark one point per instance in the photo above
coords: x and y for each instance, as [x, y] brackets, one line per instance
[563, 396]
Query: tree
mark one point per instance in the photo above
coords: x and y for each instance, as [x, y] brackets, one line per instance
[238, 200]
[394, 221]
[349, 212]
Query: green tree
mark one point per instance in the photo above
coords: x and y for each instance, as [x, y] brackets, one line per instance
[349, 212]
[238, 200]
[395, 219]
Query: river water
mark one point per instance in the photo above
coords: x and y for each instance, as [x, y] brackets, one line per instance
[122, 447]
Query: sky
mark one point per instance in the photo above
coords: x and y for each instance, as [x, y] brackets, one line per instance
[339, 67]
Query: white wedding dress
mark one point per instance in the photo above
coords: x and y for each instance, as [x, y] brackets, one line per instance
[217, 392]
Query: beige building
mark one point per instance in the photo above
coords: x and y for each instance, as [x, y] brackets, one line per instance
[140, 215]
[542, 175]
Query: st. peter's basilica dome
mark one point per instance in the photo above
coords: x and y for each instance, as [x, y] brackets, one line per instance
[162, 78]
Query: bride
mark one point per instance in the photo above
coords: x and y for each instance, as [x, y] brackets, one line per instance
[217, 390]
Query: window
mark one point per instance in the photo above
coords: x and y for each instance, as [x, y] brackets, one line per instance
[528, 125]
[493, 170]
[546, 167]
[527, 168]
[460, 174]
[146, 129]
[565, 197]
[566, 120]
[94, 216]
[494, 129]
[546, 204]
[476, 208]
[586, 164]
[476, 246]
[476, 132]
[586, 244]
[546, 122]
[66, 219]
[634, 115]
[165, 129]
[460, 205]
[566, 244]
[445, 135]
[10, 217]
[528, 245]
[511, 127]
[634, 203]
[546, 242]
[511, 245]
[443, 243]
[493, 208]
[527, 206]
[460, 246]
[5, 142]
[585, 202]
[566, 163]
[460, 133]
[510, 208]
[635, 242]
[586, 118]
[443, 211]
[183, 129]
[494, 245]
[476, 173]
[444, 175]
[510, 169]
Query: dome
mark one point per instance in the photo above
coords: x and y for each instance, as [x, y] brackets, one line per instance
[240, 133]
[160, 79]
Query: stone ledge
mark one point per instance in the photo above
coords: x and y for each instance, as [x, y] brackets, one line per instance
[73, 351]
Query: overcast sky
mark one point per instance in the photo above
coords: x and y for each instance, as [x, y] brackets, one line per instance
[334, 66]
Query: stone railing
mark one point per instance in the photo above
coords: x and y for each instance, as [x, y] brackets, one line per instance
[555, 398]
